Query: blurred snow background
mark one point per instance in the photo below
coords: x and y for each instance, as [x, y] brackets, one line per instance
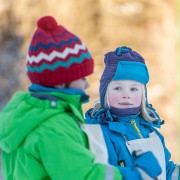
[149, 27]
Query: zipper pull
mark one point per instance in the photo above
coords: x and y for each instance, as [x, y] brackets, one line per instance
[133, 122]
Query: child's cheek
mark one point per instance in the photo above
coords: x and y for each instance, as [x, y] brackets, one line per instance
[137, 100]
[113, 99]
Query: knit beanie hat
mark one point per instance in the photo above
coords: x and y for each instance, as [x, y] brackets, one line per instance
[56, 56]
[122, 64]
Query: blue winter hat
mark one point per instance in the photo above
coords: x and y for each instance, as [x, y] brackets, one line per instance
[123, 64]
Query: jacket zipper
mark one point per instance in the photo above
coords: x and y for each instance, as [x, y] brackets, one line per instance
[136, 128]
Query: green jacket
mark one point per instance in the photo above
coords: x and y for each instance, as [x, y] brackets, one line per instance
[41, 139]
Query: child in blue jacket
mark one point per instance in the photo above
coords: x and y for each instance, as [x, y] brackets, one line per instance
[128, 122]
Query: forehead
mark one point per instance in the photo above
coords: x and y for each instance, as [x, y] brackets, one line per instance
[125, 83]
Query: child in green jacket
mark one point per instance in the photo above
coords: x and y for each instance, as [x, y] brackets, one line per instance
[40, 130]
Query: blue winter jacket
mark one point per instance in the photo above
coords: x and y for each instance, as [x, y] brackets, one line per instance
[115, 128]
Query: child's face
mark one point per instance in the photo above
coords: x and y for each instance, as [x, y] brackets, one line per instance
[79, 84]
[124, 94]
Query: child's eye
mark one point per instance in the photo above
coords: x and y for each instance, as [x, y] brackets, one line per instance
[118, 88]
[134, 89]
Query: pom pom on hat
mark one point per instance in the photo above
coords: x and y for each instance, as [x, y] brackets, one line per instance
[56, 56]
[123, 49]
[126, 53]
[47, 23]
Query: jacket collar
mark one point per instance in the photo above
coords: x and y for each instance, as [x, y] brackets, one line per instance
[116, 123]
[35, 88]
[71, 99]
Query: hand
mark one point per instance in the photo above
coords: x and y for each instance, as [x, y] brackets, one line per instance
[148, 163]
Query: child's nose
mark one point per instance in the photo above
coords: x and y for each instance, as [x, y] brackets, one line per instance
[126, 96]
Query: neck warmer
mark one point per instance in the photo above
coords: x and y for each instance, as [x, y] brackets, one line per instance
[125, 112]
[35, 88]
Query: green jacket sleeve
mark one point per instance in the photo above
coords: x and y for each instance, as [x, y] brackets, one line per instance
[65, 155]
[67, 159]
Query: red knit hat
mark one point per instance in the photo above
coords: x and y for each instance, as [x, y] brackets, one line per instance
[56, 56]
